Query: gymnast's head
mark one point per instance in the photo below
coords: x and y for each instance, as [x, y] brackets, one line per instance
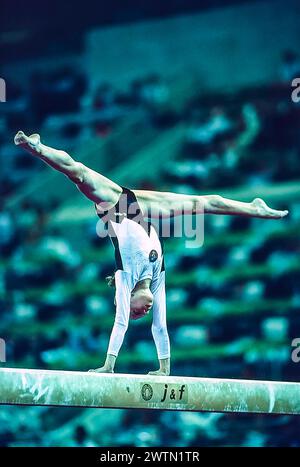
[141, 299]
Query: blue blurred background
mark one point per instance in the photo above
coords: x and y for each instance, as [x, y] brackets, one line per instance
[186, 96]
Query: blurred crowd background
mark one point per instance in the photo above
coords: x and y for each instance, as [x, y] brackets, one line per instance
[193, 97]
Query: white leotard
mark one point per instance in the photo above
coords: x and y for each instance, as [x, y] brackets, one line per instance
[139, 256]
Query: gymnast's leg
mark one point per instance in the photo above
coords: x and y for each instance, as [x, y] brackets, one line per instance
[100, 189]
[162, 204]
[93, 185]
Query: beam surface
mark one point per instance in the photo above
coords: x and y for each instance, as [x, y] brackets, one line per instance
[77, 389]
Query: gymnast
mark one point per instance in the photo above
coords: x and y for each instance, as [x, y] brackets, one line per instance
[140, 274]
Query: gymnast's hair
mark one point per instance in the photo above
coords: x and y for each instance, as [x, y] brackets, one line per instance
[110, 280]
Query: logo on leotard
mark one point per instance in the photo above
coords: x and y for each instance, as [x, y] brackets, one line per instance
[147, 392]
[153, 255]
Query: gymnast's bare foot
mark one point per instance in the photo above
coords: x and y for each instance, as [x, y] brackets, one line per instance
[28, 142]
[102, 369]
[263, 210]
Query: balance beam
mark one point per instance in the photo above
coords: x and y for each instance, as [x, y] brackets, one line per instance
[77, 389]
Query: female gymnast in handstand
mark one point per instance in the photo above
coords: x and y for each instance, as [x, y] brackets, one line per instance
[140, 274]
